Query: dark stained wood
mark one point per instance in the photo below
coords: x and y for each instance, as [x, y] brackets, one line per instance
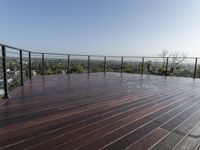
[146, 142]
[138, 133]
[169, 138]
[191, 140]
[178, 132]
[101, 111]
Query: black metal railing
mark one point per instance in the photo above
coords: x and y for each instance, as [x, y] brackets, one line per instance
[19, 65]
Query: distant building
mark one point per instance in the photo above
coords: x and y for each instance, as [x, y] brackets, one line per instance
[1, 92]
[33, 72]
[1, 87]
[63, 72]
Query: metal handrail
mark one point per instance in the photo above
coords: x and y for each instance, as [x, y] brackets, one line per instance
[47, 53]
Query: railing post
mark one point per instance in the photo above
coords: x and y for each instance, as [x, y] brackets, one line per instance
[104, 68]
[68, 64]
[5, 81]
[122, 62]
[88, 64]
[21, 68]
[195, 68]
[29, 59]
[142, 71]
[43, 64]
[166, 67]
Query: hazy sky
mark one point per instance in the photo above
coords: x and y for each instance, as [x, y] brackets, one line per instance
[107, 27]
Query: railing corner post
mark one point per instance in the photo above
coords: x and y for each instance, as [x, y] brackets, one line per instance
[5, 81]
[29, 59]
[104, 68]
[195, 68]
[166, 67]
[88, 64]
[43, 64]
[122, 63]
[21, 68]
[142, 69]
[68, 64]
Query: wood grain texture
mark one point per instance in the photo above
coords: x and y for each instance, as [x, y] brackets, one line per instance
[102, 111]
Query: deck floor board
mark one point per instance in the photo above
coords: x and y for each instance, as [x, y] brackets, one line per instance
[101, 111]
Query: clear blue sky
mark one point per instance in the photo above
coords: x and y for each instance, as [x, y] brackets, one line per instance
[107, 27]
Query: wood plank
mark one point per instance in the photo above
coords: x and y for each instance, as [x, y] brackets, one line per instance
[177, 132]
[96, 111]
[147, 141]
[191, 140]
[134, 128]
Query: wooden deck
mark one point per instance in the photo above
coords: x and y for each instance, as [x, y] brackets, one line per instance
[98, 111]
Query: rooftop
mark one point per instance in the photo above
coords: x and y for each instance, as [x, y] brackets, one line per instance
[102, 111]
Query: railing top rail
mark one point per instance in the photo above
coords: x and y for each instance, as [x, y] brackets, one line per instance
[14, 48]
[151, 57]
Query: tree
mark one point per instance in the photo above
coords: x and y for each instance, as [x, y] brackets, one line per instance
[77, 68]
[164, 55]
[176, 59]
